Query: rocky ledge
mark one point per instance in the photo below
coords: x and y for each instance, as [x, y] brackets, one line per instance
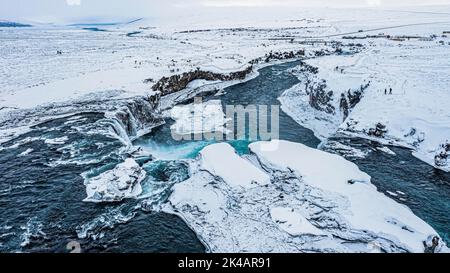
[175, 83]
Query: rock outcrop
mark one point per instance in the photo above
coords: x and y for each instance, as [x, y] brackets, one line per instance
[175, 83]
[441, 159]
[350, 99]
[319, 97]
[276, 56]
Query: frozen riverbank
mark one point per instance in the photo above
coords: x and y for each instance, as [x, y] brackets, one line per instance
[307, 206]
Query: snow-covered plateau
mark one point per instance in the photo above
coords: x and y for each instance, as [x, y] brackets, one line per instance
[362, 73]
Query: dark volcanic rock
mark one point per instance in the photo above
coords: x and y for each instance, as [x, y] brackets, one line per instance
[354, 96]
[343, 106]
[175, 83]
[274, 56]
[283, 55]
[351, 99]
[319, 97]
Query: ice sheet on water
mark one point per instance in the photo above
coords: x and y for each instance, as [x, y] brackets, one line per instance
[310, 193]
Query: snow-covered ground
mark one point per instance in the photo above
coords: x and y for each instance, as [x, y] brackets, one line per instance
[291, 199]
[415, 114]
[116, 64]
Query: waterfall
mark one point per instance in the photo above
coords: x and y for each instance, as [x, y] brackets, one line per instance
[134, 118]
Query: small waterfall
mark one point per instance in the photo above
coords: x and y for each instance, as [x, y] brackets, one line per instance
[134, 118]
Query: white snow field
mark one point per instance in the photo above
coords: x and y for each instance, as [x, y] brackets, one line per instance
[237, 172]
[315, 201]
[413, 62]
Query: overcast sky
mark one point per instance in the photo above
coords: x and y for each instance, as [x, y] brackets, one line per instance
[48, 9]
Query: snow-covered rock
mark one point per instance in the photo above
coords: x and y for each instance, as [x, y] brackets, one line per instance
[293, 222]
[386, 150]
[343, 150]
[124, 181]
[315, 201]
[26, 152]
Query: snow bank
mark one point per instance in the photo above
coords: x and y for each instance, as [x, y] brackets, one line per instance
[222, 161]
[367, 208]
[198, 118]
[117, 184]
[315, 202]
[293, 222]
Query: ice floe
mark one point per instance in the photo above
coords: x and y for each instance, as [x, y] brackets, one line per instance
[26, 152]
[124, 181]
[315, 201]
[386, 150]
